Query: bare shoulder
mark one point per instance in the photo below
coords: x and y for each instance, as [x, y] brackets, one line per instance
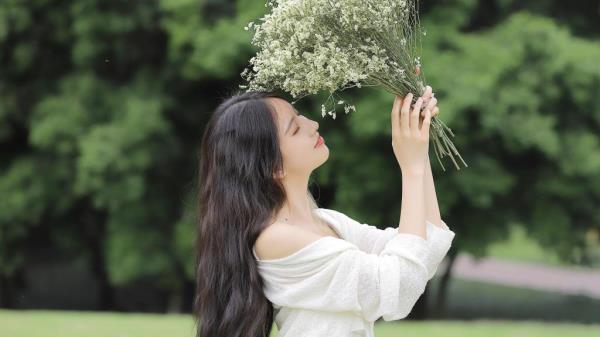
[280, 240]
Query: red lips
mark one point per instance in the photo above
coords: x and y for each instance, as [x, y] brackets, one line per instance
[320, 141]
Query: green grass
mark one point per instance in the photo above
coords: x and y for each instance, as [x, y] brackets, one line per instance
[480, 328]
[45, 323]
[50, 323]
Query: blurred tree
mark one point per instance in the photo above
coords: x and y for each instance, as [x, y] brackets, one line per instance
[93, 155]
[102, 105]
[522, 99]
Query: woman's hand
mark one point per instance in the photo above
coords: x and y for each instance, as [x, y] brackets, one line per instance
[410, 135]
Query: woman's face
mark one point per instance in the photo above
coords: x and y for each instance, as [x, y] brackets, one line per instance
[297, 138]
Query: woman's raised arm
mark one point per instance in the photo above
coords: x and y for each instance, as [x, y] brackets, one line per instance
[410, 142]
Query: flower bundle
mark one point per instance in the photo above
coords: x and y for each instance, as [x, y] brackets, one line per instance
[306, 46]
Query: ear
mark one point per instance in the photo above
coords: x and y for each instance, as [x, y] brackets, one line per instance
[279, 175]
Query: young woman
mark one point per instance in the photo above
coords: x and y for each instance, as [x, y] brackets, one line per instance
[266, 252]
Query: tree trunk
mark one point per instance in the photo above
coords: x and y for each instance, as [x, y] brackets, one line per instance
[189, 291]
[106, 296]
[175, 301]
[95, 235]
[419, 311]
[10, 286]
[6, 292]
[440, 300]
[181, 299]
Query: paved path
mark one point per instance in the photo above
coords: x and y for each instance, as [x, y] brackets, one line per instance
[542, 277]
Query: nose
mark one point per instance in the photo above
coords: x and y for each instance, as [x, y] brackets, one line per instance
[315, 122]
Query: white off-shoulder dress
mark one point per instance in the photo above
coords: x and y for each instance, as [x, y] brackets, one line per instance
[339, 288]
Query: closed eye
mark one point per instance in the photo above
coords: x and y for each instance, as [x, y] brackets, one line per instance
[297, 128]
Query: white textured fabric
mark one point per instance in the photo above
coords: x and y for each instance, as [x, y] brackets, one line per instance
[339, 288]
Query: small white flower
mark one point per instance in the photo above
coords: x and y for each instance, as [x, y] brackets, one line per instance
[302, 51]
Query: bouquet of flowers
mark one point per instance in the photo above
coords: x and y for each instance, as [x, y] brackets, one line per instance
[306, 46]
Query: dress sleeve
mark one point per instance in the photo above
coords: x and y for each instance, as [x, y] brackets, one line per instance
[334, 275]
[372, 240]
[366, 237]
[439, 241]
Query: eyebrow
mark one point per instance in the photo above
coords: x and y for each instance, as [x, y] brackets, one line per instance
[290, 123]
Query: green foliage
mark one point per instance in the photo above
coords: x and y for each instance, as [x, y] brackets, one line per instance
[102, 104]
[522, 100]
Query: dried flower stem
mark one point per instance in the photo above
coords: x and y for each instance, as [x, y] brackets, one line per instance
[306, 46]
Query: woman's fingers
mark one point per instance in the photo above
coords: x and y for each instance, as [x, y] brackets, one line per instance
[427, 94]
[430, 105]
[426, 123]
[404, 115]
[395, 118]
[414, 117]
[407, 121]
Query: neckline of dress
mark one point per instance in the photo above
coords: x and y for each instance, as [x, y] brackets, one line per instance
[294, 254]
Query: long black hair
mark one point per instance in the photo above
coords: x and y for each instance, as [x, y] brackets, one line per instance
[237, 197]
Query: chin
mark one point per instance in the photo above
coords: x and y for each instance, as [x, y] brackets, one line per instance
[324, 154]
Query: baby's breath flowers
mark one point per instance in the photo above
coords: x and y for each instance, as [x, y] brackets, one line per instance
[306, 46]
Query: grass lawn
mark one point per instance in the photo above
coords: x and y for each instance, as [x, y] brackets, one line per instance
[45, 323]
[55, 323]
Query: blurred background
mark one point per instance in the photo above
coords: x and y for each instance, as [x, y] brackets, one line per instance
[102, 108]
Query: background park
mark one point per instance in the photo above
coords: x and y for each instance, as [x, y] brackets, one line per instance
[103, 103]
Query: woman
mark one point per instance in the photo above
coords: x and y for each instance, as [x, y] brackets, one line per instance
[266, 252]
